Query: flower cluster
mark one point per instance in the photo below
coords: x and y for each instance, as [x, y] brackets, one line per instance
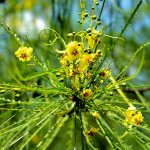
[81, 93]
[133, 116]
[79, 62]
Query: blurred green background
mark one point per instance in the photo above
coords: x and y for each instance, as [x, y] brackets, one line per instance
[27, 18]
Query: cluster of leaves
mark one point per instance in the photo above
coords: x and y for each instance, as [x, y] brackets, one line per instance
[79, 103]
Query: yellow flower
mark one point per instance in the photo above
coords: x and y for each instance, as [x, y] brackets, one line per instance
[139, 118]
[73, 51]
[87, 93]
[98, 53]
[93, 38]
[133, 117]
[92, 131]
[96, 115]
[104, 73]
[24, 53]
[85, 60]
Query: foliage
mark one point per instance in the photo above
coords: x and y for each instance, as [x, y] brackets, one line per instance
[77, 97]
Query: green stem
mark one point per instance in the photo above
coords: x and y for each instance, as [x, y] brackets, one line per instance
[10, 32]
[120, 91]
[75, 130]
[128, 22]
[82, 137]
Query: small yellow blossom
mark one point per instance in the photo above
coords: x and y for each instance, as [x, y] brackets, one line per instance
[92, 131]
[87, 93]
[98, 53]
[104, 73]
[93, 38]
[88, 57]
[24, 53]
[73, 51]
[85, 60]
[96, 115]
[133, 116]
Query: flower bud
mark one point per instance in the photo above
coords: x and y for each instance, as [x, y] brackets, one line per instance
[86, 15]
[98, 23]
[93, 17]
[70, 34]
[88, 30]
[97, 3]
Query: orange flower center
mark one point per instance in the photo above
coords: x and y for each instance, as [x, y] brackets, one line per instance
[23, 56]
[75, 52]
